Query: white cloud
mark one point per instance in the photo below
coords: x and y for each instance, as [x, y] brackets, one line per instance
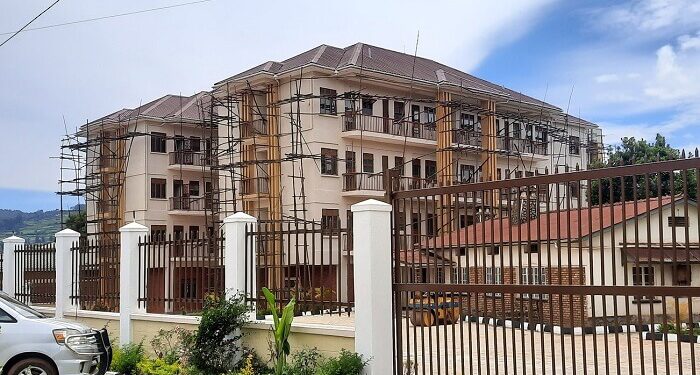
[689, 42]
[605, 78]
[650, 16]
[677, 77]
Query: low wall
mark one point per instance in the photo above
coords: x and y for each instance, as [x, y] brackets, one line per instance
[257, 334]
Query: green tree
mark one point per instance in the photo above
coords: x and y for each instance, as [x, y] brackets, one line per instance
[77, 221]
[632, 151]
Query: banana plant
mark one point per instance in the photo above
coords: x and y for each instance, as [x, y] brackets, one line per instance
[281, 328]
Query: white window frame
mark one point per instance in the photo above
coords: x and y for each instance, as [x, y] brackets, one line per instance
[534, 275]
[494, 276]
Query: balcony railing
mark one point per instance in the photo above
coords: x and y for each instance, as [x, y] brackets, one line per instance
[190, 203]
[503, 143]
[385, 125]
[404, 183]
[363, 181]
[255, 185]
[195, 158]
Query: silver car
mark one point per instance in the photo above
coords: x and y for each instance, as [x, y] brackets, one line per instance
[32, 344]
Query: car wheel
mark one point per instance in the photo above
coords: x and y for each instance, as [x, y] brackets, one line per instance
[32, 366]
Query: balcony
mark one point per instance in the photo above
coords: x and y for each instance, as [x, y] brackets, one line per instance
[193, 160]
[384, 129]
[189, 205]
[255, 186]
[472, 139]
[363, 185]
[404, 183]
[254, 129]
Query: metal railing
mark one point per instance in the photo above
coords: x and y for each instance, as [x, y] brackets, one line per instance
[179, 274]
[473, 138]
[195, 158]
[189, 203]
[95, 275]
[363, 181]
[306, 260]
[35, 273]
[591, 274]
[385, 125]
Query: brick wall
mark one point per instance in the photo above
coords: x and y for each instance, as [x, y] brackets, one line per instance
[560, 310]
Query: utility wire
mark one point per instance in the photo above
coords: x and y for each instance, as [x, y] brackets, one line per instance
[105, 17]
[28, 23]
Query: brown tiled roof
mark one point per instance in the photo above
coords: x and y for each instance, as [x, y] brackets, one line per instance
[550, 226]
[421, 258]
[382, 60]
[166, 108]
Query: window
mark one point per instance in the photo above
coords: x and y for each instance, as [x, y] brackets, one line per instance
[330, 219]
[188, 288]
[431, 171]
[194, 188]
[158, 142]
[415, 168]
[681, 275]
[493, 250]
[534, 276]
[533, 248]
[574, 189]
[350, 162]
[677, 221]
[528, 132]
[158, 188]
[158, 232]
[430, 115]
[194, 232]
[179, 143]
[329, 161]
[328, 105]
[415, 113]
[467, 173]
[195, 144]
[643, 276]
[367, 106]
[398, 165]
[466, 121]
[460, 275]
[516, 131]
[6, 318]
[440, 275]
[493, 277]
[399, 111]
[367, 163]
[574, 145]
[349, 102]
[431, 225]
[415, 227]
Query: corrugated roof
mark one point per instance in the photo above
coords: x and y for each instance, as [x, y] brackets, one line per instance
[550, 226]
[382, 60]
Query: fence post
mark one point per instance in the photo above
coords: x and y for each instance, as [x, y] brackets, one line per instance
[372, 276]
[131, 284]
[235, 255]
[9, 245]
[64, 270]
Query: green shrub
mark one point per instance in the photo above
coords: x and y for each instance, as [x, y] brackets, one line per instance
[168, 344]
[345, 364]
[215, 347]
[304, 362]
[126, 358]
[158, 366]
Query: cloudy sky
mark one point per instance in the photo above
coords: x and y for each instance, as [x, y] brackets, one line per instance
[633, 67]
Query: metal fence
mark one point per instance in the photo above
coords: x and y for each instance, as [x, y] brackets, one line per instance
[306, 260]
[179, 273]
[35, 273]
[95, 275]
[585, 272]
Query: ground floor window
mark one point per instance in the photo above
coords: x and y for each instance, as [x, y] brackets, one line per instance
[534, 276]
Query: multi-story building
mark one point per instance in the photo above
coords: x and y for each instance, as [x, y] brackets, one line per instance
[307, 137]
[151, 164]
[311, 135]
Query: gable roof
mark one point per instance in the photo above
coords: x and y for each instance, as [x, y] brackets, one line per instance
[166, 108]
[385, 61]
[550, 226]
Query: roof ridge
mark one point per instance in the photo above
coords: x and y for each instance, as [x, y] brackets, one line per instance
[321, 50]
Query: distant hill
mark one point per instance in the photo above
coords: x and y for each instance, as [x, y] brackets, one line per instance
[35, 227]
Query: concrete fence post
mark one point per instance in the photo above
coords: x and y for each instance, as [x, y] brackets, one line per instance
[372, 262]
[131, 284]
[235, 255]
[65, 275]
[9, 245]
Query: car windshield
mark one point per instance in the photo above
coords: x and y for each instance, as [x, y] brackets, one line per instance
[21, 308]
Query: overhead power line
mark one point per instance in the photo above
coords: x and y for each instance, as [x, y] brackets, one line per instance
[14, 33]
[107, 17]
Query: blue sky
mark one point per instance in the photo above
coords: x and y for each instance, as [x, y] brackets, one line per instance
[634, 66]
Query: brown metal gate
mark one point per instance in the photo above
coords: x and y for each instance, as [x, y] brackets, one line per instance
[587, 272]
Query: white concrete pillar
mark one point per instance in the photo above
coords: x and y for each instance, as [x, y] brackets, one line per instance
[372, 276]
[65, 275]
[235, 255]
[9, 245]
[130, 283]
